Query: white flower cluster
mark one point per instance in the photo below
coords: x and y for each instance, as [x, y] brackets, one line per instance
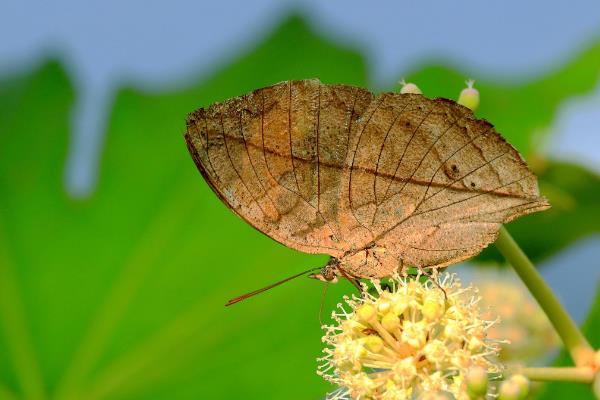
[523, 323]
[413, 339]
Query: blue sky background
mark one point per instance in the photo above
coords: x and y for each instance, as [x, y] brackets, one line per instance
[161, 45]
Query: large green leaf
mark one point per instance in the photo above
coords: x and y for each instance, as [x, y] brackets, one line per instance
[120, 296]
[524, 110]
[123, 293]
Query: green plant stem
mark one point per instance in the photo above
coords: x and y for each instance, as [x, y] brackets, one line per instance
[564, 374]
[574, 341]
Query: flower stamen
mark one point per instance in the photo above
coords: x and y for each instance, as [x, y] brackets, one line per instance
[410, 340]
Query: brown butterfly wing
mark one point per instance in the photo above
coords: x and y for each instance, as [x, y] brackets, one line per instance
[331, 169]
[432, 183]
[277, 156]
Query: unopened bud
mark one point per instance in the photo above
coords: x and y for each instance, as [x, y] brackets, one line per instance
[409, 88]
[400, 306]
[469, 97]
[366, 312]
[515, 388]
[384, 306]
[477, 382]
[373, 343]
[390, 321]
[431, 310]
[475, 344]
[509, 390]
[523, 384]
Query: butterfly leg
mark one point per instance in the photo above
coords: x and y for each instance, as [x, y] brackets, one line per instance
[323, 295]
[403, 269]
[351, 278]
[431, 274]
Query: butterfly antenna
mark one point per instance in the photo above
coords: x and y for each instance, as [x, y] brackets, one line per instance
[255, 292]
[323, 302]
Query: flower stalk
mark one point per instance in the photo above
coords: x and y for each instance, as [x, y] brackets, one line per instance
[580, 350]
[562, 374]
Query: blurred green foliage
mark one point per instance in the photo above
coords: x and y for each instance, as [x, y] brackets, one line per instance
[573, 192]
[120, 296]
[521, 111]
[565, 390]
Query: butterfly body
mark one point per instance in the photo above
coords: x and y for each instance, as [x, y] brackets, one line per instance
[377, 182]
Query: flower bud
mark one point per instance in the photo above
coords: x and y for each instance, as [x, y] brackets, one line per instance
[523, 384]
[431, 310]
[515, 388]
[409, 87]
[366, 312]
[469, 97]
[373, 343]
[509, 390]
[390, 322]
[477, 382]
[475, 344]
[400, 306]
[383, 306]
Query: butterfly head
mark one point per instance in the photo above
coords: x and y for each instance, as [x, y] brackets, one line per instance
[329, 272]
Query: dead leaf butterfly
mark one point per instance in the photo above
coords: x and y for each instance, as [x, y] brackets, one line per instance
[378, 182]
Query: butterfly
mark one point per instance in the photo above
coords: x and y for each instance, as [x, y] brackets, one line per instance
[378, 182]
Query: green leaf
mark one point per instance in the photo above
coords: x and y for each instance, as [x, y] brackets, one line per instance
[523, 112]
[121, 296]
[562, 390]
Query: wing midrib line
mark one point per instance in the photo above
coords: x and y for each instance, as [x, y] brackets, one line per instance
[379, 173]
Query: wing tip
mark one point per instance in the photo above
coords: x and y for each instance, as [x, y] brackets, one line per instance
[541, 204]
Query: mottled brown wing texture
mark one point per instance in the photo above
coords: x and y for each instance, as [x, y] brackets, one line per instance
[276, 157]
[333, 169]
[432, 183]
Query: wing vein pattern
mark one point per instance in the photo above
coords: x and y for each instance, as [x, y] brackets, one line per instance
[335, 169]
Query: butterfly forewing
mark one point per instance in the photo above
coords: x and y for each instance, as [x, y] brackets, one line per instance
[277, 156]
[332, 169]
